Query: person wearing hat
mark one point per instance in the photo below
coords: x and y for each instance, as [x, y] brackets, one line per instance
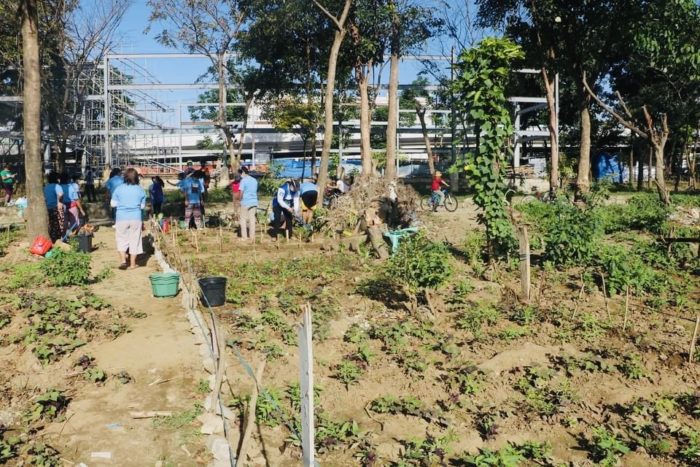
[284, 206]
[436, 188]
[190, 169]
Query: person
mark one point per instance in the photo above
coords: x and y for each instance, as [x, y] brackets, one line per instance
[156, 193]
[284, 206]
[75, 206]
[115, 179]
[193, 188]
[204, 168]
[8, 183]
[436, 188]
[53, 194]
[249, 203]
[341, 186]
[309, 200]
[129, 199]
[190, 169]
[90, 184]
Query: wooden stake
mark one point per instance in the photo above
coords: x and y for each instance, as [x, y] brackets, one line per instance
[694, 340]
[221, 240]
[605, 296]
[627, 308]
[578, 300]
[524, 243]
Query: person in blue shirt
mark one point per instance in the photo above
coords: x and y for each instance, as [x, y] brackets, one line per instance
[193, 189]
[248, 190]
[309, 199]
[53, 194]
[129, 199]
[284, 206]
[115, 179]
[155, 191]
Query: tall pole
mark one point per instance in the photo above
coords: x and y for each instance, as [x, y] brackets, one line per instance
[454, 178]
[107, 114]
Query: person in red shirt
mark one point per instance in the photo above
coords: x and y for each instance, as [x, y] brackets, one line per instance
[436, 187]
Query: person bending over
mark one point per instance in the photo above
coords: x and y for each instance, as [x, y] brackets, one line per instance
[284, 206]
[309, 200]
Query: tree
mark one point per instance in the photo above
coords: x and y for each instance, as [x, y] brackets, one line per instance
[37, 215]
[570, 38]
[86, 33]
[209, 27]
[411, 26]
[340, 24]
[368, 23]
[289, 115]
[480, 91]
[292, 59]
[419, 98]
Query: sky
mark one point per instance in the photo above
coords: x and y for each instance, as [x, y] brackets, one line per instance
[132, 38]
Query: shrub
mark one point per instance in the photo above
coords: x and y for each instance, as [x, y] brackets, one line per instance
[624, 269]
[570, 234]
[420, 263]
[66, 268]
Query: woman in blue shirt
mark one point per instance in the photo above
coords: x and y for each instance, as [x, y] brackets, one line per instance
[248, 189]
[155, 191]
[129, 199]
[53, 194]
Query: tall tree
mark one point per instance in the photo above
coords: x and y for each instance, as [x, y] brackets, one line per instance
[411, 26]
[209, 27]
[340, 24]
[570, 38]
[37, 214]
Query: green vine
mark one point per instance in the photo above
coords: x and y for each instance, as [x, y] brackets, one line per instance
[479, 89]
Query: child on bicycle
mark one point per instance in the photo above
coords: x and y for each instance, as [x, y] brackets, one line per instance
[436, 187]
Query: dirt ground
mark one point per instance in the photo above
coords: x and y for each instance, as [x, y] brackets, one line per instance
[498, 359]
[158, 354]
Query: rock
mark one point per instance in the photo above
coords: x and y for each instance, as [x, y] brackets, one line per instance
[220, 450]
[211, 424]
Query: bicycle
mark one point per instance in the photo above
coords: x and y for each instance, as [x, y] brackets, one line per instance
[432, 202]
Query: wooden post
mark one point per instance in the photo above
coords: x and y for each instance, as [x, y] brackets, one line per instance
[307, 387]
[691, 352]
[605, 296]
[627, 308]
[524, 243]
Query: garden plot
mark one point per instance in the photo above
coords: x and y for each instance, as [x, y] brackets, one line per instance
[432, 358]
[82, 346]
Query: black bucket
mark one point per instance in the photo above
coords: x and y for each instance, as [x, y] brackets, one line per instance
[213, 290]
[84, 243]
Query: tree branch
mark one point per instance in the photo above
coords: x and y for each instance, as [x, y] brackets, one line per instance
[329, 15]
[609, 109]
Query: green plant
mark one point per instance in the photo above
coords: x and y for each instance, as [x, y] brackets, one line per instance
[624, 269]
[429, 451]
[66, 268]
[355, 334]
[632, 367]
[474, 319]
[48, 406]
[541, 393]
[5, 319]
[268, 410]
[23, 275]
[347, 372]
[43, 455]
[420, 264]
[571, 234]
[9, 446]
[203, 386]
[180, 419]
[96, 375]
[475, 251]
[331, 434]
[506, 457]
[607, 448]
[404, 405]
[479, 89]
[513, 332]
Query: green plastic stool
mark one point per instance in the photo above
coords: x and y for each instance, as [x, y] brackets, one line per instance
[395, 236]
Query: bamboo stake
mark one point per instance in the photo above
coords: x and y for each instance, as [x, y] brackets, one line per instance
[694, 340]
[524, 244]
[221, 240]
[605, 296]
[627, 308]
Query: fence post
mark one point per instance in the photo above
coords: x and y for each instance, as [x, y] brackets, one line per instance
[306, 367]
[524, 243]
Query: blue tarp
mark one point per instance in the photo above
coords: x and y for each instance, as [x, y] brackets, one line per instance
[607, 167]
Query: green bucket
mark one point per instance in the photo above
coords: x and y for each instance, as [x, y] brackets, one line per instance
[164, 284]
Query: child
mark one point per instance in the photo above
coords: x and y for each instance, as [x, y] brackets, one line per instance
[436, 188]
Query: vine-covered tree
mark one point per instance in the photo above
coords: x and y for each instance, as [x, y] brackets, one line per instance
[479, 88]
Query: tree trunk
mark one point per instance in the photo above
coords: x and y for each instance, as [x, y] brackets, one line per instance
[362, 77]
[630, 182]
[420, 111]
[303, 161]
[393, 119]
[659, 179]
[583, 183]
[223, 124]
[328, 103]
[553, 125]
[37, 215]
[651, 163]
